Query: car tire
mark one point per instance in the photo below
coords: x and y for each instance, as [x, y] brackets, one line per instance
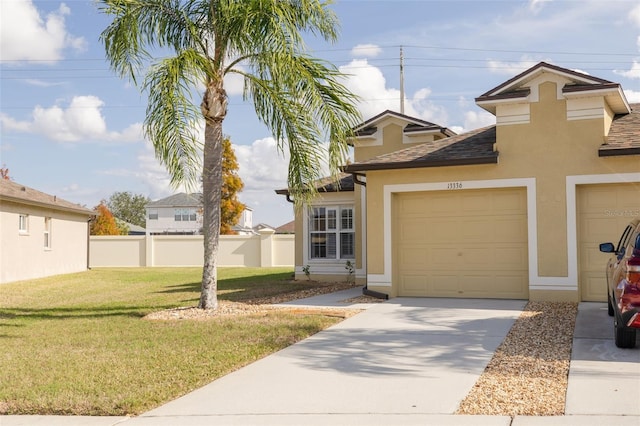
[610, 310]
[625, 337]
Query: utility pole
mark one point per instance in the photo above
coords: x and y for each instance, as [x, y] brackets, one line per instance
[401, 81]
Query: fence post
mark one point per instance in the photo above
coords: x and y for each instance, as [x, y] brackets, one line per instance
[266, 246]
[148, 250]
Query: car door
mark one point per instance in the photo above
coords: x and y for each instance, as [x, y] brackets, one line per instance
[616, 266]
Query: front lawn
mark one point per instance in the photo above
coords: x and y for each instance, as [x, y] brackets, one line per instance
[78, 344]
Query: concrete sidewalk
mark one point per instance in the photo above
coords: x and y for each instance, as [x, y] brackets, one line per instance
[406, 361]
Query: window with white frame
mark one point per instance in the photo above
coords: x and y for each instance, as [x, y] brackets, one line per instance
[23, 223]
[185, 215]
[331, 233]
[153, 214]
[47, 232]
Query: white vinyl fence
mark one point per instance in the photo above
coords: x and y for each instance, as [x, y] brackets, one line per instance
[266, 249]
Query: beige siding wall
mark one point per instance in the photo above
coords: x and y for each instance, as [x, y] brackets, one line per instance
[187, 250]
[24, 256]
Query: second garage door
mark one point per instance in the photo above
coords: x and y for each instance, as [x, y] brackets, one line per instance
[464, 243]
[603, 213]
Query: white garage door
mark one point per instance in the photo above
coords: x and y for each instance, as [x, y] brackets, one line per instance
[464, 243]
[603, 213]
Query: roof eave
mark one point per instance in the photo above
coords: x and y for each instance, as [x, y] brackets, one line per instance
[79, 210]
[353, 168]
[614, 94]
[614, 152]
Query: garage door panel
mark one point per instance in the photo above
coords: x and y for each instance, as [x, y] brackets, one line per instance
[603, 212]
[476, 244]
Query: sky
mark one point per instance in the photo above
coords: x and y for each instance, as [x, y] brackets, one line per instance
[70, 127]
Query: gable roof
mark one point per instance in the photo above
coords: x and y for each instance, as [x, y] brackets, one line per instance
[474, 147]
[415, 125]
[17, 193]
[581, 84]
[178, 200]
[624, 135]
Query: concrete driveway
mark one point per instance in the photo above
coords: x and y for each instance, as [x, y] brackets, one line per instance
[406, 356]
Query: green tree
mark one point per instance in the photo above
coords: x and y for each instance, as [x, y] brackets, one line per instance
[129, 207]
[300, 98]
[104, 223]
[230, 207]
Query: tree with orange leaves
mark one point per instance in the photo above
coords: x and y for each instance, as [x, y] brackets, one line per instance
[230, 207]
[104, 222]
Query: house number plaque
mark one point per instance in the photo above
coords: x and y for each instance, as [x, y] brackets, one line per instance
[454, 185]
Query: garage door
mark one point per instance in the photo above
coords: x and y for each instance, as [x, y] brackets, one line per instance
[603, 212]
[461, 243]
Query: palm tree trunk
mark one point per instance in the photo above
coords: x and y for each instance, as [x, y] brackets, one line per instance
[211, 194]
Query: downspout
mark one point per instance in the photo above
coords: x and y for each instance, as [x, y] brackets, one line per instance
[89, 242]
[365, 289]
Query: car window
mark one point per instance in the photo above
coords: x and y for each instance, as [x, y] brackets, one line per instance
[624, 239]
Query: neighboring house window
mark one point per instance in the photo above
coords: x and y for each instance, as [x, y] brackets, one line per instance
[23, 223]
[153, 214]
[47, 232]
[185, 215]
[330, 237]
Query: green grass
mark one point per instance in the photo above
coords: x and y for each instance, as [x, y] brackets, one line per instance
[76, 344]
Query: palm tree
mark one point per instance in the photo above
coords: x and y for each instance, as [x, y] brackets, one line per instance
[300, 98]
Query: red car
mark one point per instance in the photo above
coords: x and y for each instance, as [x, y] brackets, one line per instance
[623, 285]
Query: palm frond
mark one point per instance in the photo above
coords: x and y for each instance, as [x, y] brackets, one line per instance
[172, 118]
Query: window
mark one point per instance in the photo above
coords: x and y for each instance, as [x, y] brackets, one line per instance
[331, 238]
[47, 232]
[185, 215]
[23, 223]
[153, 214]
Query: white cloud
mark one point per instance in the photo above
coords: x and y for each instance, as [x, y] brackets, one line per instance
[81, 121]
[25, 35]
[477, 119]
[368, 82]
[634, 15]
[536, 5]
[512, 68]
[41, 83]
[633, 96]
[634, 72]
[366, 51]
[261, 166]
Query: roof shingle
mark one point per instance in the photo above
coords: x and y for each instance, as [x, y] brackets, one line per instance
[624, 135]
[474, 147]
[15, 192]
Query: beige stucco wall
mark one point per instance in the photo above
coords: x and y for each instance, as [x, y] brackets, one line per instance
[187, 250]
[389, 138]
[23, 256]
[544, 147]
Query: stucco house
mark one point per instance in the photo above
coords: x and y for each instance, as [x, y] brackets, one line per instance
[40, 234]
[178, 214]
[513, 210]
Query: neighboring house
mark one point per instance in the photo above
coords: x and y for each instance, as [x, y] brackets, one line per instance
[515, 210]
[40, 234]
[181, 214]
[287, 228]
[178, 214]
[245, 225]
